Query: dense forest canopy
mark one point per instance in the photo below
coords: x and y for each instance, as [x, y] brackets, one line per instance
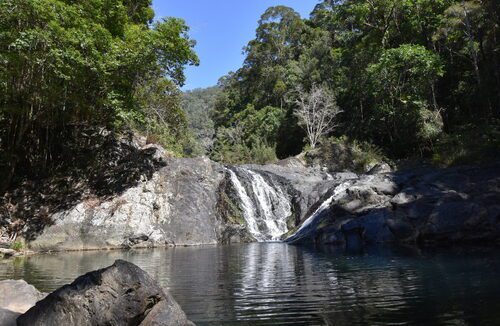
[407, 75]
[412, 78]
[66, 65]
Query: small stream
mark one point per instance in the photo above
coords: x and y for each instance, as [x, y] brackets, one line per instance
[279, 284]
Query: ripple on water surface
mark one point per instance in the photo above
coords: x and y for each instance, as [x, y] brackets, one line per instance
[277, 284]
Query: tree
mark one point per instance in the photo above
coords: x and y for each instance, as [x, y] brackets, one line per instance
[316, 111]
[78, 63]
[403, 71]
[198, 105]
[402, 82]
[270, 71]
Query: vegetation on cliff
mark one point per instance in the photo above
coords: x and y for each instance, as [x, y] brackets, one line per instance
[198, 104]
[66, 66]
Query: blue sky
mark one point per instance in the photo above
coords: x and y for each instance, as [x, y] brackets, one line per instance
[222, 28]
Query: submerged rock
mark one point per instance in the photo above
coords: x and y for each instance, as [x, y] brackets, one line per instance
[121, 294]
[6, 253]
[16, 297]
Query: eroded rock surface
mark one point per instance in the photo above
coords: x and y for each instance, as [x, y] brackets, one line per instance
[177, 206]
[121, 294]
[194, 202]
[16, 297]
[429, 206]
[186, 202]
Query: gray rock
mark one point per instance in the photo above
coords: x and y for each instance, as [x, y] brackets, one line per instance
[177, 206]
[8, 317]
[429, 205]
[190, 202]
[402, 229]
[308, 185]
[180, 205]
[121, 294]
[380, 168]
[16, 297]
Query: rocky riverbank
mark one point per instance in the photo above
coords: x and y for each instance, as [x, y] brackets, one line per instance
[16, 297]
[196, 201]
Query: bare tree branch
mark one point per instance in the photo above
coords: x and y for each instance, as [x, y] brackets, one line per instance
[316, 111]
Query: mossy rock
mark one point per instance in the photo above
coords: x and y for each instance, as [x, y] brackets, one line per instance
[227, 204]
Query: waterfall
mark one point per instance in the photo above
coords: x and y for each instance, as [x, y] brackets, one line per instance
[247, 206]
[265, 205]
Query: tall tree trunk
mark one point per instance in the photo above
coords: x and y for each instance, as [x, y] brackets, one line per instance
[472, 49]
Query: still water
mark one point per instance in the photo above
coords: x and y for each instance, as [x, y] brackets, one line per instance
[277, 284]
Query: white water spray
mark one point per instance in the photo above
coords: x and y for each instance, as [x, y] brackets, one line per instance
[265, 206]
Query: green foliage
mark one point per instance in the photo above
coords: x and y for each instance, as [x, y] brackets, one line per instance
[262, 153]
[402, 71]
[405, 73]
[251, 137]
[231, 147]
[467, 145]
[17, 246]
[270, 72]
[198, 105]
[342, 153]
[81, 63]
[402, 84]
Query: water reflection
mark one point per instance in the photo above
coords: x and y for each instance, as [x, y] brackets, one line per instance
[277, 284]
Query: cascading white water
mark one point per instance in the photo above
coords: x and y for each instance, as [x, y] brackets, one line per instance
[265, 207]
[274, 205]
[247, 206]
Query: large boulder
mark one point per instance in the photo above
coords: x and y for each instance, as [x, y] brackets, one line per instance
[121, 294]
[16, 297]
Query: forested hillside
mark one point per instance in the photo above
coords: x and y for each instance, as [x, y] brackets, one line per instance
[404, 79]
[416, 78]
[73, 70]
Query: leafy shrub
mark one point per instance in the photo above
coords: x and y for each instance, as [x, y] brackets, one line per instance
[17, 246]
[467, 145]
[342, 153]
[263, 154]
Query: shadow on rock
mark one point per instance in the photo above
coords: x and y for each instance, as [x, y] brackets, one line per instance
[427, 206]
[94, 165]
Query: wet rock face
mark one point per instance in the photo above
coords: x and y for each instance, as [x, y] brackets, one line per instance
[455, 205]
[194, 201]
[306, 185]
[187, 202]
[16, 297]
[121, 294]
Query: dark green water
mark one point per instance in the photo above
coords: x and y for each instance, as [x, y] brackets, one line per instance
[277, 284]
